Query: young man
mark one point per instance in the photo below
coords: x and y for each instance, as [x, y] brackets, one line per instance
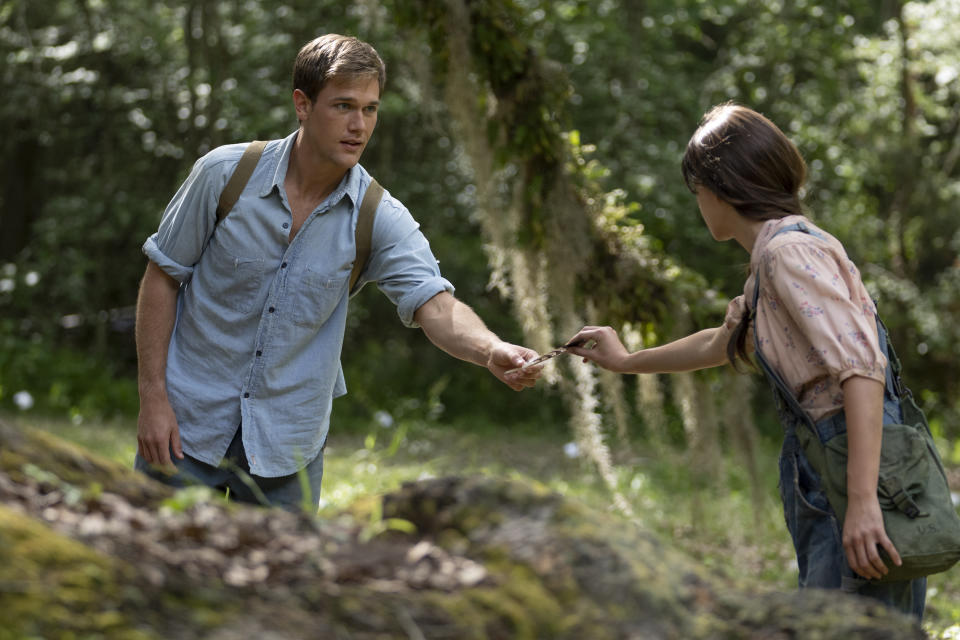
[240, 324]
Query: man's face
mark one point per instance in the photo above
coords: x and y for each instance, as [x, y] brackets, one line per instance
[338, 124]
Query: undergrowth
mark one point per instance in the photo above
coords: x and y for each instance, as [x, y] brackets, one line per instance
[719, 520]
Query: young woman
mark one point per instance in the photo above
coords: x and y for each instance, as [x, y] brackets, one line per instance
[806, 314]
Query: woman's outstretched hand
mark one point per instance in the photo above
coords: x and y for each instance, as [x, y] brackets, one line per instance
[607, 350]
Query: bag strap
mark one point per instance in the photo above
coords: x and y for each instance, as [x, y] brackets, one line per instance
[779, 383]
[774, 376]
[364, 231]
[231, 192]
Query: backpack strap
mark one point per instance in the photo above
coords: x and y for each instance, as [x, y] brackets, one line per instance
[231, 192]
[364, 231]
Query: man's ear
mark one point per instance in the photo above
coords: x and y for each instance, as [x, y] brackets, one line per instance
[301, 104]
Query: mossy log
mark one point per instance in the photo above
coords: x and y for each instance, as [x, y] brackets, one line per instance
[90, 549]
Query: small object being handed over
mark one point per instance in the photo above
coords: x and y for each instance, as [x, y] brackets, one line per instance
[586, 344]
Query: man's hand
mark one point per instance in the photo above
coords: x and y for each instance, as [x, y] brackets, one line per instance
[158, 434]
[455, 328]
[505, 356]
[157, 429]
[863, 533]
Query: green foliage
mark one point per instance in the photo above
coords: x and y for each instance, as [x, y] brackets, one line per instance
[867, 90]
[61, 380]
[188, 497]
[109, 102]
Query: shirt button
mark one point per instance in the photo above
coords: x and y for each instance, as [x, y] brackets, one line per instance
[271, 309]
[283, 266]
[286, 225]
[246, 395]
[259, 353]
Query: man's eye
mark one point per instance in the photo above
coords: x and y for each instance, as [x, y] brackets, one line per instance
[342, 106]
[370, 109]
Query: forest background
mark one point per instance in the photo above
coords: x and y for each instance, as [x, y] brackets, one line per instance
[538, 144]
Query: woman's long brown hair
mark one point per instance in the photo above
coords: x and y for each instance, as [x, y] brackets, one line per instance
[748, 162]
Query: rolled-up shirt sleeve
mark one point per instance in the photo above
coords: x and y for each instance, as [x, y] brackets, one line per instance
[188, 220]
[403, 266]
[840, 326]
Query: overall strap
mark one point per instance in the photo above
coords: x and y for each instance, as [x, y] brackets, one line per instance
[783, 391]
[893, 362]
[231, 192]
[364, 231]
[893, 370]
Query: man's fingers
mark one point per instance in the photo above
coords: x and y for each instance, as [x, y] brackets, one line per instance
[163, 456]
[175, 444]
[150, 452]
[521, 380]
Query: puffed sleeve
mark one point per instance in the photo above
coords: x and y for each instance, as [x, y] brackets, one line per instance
[735, 310]
[826, 301]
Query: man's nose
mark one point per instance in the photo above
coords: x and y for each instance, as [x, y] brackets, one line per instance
[356, 121]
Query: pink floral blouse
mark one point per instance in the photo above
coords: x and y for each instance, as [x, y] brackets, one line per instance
[815, 319]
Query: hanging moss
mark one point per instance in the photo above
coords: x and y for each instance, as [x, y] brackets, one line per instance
[561, 248]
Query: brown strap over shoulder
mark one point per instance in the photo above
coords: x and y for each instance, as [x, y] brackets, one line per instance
[364, 231]
[231, 192]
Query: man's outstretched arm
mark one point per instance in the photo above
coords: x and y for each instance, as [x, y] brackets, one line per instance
[157, 429]
[454, 327]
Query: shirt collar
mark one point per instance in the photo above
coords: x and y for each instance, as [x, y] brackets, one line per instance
[279, 160]
[769, 229]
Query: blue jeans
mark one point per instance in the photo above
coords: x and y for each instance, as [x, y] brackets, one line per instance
[296, 492]
[818, 543]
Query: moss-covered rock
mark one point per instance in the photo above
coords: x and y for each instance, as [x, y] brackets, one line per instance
[89, 549]
[51, 583]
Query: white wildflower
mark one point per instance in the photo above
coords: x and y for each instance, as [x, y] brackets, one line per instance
[23, 400]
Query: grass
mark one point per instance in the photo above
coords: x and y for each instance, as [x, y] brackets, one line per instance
[714, 516]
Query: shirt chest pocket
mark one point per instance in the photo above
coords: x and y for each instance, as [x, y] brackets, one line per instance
[317, 297]
[239, 280]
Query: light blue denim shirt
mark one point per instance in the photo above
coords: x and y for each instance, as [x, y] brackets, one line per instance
[260, 319]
